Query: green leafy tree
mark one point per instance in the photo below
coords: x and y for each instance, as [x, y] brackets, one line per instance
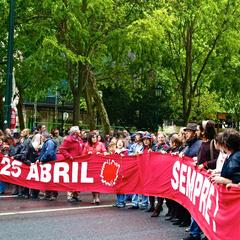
[84, 33]
[34, 74]
[227, 66]
[192, 41]
[206, 106]
[81, 29]
[191, 31]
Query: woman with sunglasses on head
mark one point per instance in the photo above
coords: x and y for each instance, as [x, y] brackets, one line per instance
[230, 173]
[93, 146]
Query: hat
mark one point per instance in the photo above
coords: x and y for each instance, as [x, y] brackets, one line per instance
[140, 132]
[147, 135]
[74, 129]
[133, 137]
[191, 127]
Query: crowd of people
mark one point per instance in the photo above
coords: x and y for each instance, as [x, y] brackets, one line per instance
[219, 153]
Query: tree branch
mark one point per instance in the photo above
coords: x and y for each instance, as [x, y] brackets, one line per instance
[171, 51]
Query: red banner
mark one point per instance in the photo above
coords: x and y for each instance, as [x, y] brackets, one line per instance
[214, 208]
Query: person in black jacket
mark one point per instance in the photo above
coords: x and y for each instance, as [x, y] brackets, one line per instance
[191, 149]
[27, 155]
[206, 158]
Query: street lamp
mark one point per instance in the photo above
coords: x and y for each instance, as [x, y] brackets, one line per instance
[158, 91]
[63, 95]
[62, 122]
[137, 113]
[35, 112]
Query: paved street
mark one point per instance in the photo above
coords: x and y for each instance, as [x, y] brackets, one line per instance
[39, 219]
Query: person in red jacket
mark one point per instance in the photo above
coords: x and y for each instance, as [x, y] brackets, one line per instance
[94, 147]
[71, 147]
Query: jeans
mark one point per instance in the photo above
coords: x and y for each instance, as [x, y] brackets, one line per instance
[195, 230]
[2, 187]
[128, 197]
[139, 200]
[120, 199]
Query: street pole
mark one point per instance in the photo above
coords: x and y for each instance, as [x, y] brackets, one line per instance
[62, 117]
[56, 108]
[8, 85]
[35, 112]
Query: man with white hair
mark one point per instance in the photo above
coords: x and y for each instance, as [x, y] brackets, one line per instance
[48, 151]
[71, 147]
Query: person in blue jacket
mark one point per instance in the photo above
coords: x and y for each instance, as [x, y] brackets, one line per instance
[47, 154]
[49, 148]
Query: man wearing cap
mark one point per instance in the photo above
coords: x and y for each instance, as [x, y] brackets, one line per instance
[193, 145]
[71, 147]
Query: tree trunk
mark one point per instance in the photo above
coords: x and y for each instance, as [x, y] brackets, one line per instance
[76, 108]
[187, 88]
[236, 118]
[102, 112]
[76, 93]
[100, 106]
[90, 109]
[20, 112]
[184, 101]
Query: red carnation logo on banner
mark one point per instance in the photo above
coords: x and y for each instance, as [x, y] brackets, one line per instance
[109, 173]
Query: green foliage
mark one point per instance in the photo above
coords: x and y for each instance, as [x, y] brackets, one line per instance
[206, 106]
[3, 39]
